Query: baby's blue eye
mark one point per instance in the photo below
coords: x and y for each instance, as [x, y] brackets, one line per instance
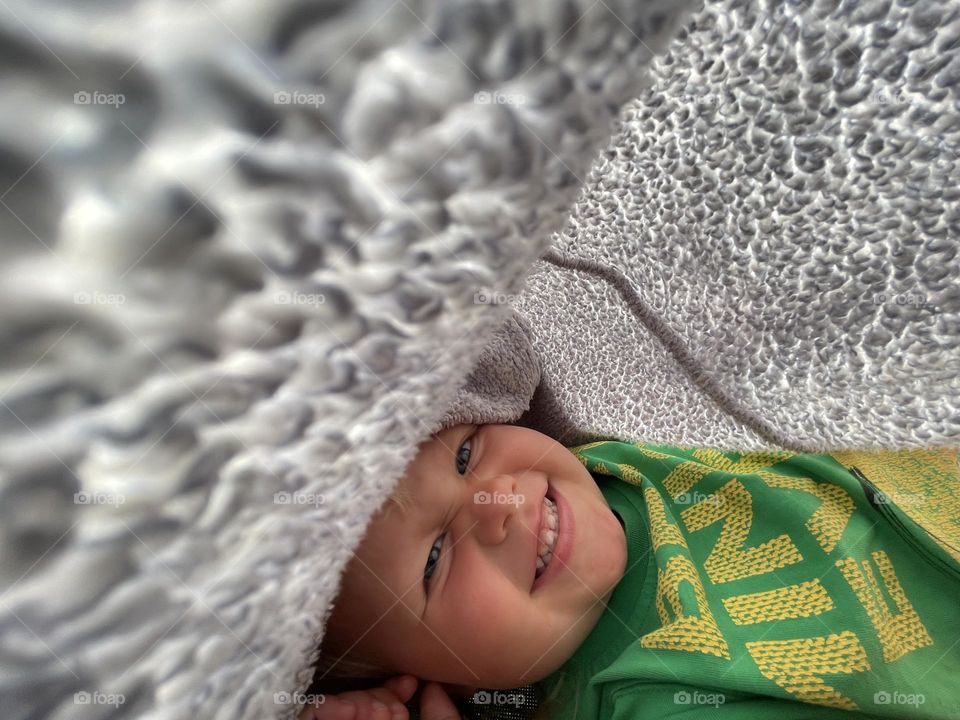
[433, 559]
[460, 459]
[463, 463]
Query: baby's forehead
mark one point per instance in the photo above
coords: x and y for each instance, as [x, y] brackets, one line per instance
[401, 508]
[409, 503]
[431, 455]
[392, 541]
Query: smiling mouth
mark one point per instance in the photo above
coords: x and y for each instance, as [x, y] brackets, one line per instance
[549, 531]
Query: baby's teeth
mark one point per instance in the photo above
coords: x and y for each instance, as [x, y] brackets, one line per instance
[551, 521]
[548, 535]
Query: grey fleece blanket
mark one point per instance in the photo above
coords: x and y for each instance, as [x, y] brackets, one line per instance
[251, 252]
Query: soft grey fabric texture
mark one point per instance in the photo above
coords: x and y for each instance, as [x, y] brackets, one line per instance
[502, 383]
[766, 255]
[230, 315]
[245, 251]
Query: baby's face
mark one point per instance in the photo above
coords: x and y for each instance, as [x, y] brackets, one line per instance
[446, 589]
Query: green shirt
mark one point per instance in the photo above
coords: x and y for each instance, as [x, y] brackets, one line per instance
[774, 585]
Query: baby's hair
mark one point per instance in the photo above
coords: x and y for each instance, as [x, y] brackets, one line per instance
[402, 498]
[337, 666]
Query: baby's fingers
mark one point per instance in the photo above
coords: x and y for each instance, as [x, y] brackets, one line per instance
[332, 708]
[435, 704]
[403, 686]
[377, 704]
[380, 703]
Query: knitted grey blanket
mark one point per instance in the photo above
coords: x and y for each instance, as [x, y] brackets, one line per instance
[248, 249]
[766, 255]
[252, 250]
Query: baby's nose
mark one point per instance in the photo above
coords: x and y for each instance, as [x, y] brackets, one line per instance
[496, 500]
[497, 491]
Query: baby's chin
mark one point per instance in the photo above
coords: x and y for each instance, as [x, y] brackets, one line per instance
[553, 655]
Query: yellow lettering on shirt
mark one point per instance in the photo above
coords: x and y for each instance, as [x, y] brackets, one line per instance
[682, 476]
[797, 665]
[687, 631]
[685, 475]
[630, 474]
[729, 560]
[662, 531]
[921, 482]
[587, 446]
[748, 464]
[900, 633]
[830, 520]
[793, 601]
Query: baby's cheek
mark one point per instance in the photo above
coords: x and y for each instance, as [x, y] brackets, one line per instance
[490, 612]
[491, 606]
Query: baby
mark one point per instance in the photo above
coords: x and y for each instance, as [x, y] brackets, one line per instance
[638, 580]
[488, 569]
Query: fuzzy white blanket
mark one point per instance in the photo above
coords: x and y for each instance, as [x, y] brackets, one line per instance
[243, 248]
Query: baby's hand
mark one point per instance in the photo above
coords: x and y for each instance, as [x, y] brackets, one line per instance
[435, 704]
[382, 703]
